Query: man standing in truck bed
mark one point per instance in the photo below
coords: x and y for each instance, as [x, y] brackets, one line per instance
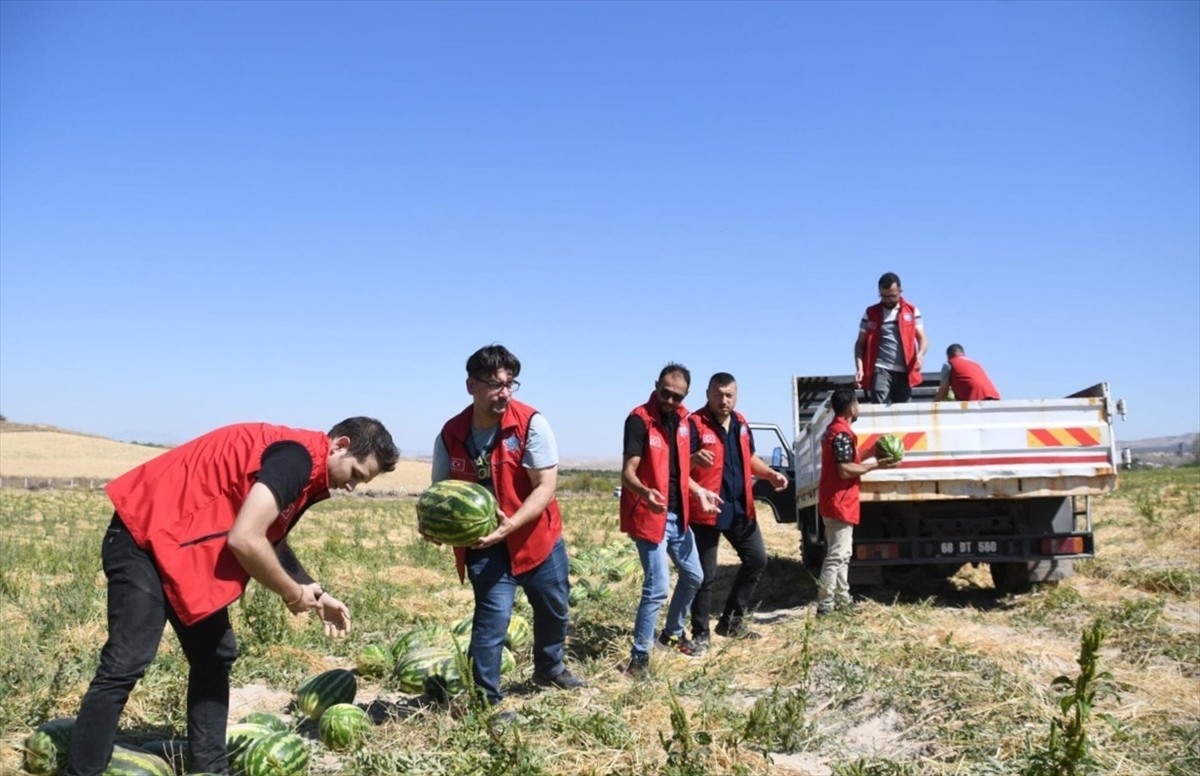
[966, 377]
[891, 346]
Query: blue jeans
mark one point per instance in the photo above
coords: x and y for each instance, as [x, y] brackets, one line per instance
[546, 587]
[137, 614]
[681, 547]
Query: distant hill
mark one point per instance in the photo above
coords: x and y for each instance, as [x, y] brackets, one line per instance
[42, 452]
[1168, 444]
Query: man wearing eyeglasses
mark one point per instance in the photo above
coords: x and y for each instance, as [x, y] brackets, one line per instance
[891, 345]
[509, 448]
[655, 483]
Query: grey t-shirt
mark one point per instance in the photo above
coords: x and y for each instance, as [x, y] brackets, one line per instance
[889, 355]
[541, 449]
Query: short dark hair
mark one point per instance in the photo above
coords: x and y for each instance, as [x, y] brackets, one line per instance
[368, 437]
[490, 359]
[889, 279]
[720, 380]
[842, 399]
[672, 368]
[955, 350]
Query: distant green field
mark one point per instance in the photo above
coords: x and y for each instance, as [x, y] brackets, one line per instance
[940, 677]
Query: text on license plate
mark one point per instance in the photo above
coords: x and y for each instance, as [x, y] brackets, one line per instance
[968, 547]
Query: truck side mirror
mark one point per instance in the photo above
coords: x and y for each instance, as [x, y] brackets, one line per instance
[777, 457]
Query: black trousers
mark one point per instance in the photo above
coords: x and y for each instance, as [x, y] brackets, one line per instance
[137, 615]
[747, 542]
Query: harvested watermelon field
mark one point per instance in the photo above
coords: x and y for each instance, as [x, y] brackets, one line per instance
[928, 677]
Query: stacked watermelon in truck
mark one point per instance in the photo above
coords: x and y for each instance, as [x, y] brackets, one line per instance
[1007, 483]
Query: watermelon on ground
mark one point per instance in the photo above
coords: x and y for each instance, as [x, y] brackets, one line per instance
[508, 663]
[270, 721]
[325, 689]
[456, 512]
[238, 739]
[343, 726]
[426, 635]
[415, 665]
[889, 446]
[132, 761]
[276, 754]
[519, 632]
[46, 747]
[374, 661]
[173, 750]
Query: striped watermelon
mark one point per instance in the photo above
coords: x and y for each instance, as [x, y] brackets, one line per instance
[463, 626]
[890, 446]
[276, 754]
[425, 635]
[174, 750]
[456, 512]
[343, 726]
[374, 660]
[238, 739]
[131, 761]
[325, 689]
[46, 747]
[268, 720]
[519, 632]
[508, 663]
[415, 665]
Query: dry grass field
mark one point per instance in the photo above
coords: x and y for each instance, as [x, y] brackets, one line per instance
[928, 677]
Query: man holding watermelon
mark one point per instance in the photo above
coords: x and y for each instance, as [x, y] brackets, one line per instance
[891, 345]
[838, 505]
[723, 461]
[191, 528]
[509, 448]
[655, 484]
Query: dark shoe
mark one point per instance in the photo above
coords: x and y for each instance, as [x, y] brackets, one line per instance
[824, 611]
[847, 605]
[638, 666]
[738, 631]
[563, 680]
[699, 645]
[678, 644]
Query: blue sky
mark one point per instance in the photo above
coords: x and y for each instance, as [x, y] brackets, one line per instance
[219, 212]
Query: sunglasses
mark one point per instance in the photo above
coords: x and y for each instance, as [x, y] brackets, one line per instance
[667, 394]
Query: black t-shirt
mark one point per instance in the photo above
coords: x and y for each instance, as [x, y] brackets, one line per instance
[286, 468]
[635, 445]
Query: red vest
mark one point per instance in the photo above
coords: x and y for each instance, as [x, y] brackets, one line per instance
[709, 477]
[637, 519]
[838, 497]
[180, 506]
[908, 340]
[969, 381]
[532, 543]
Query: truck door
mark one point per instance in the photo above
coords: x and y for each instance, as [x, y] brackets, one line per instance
[770, 445]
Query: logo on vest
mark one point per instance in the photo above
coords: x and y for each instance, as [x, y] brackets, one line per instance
[872, 325]
[908, 316]
[655, 442]
[683, 430]
[708, 439]
[512, 445]
[458, 465]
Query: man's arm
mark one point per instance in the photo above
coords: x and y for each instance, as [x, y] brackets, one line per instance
[943, 390]
[760, 469]
[922, 344]
[860, 349]
[545, 483]
[249, 544]
[631, 481]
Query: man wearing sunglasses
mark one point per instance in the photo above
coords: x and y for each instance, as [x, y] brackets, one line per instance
[655, 484]
[509, 448]
[891, 345]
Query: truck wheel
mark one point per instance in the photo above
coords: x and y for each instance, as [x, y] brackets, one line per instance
[1011, 577]
[813, 555]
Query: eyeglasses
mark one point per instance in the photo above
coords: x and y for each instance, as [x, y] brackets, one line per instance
[890, 296]
[666, 394]
[495, 386]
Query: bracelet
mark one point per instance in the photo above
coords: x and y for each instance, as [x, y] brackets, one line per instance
[298, 600]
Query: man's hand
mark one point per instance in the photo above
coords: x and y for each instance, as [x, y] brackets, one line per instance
[335, 616]
[710, 502]
[858, 374]
[496, 536]
[886, 463]
[655, 500]
[703, 458]
[778, 481]
[309, 597]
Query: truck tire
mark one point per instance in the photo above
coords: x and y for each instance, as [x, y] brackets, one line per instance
[1011, 577]
[812, 554]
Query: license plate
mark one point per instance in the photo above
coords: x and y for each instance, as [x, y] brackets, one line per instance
[961, 547]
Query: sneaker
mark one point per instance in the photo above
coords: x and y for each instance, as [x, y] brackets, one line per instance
[699, 645]
[502, 719]
[563, 680]
[824, 611]
[678, 644]
[736, 631]
[638, 666]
